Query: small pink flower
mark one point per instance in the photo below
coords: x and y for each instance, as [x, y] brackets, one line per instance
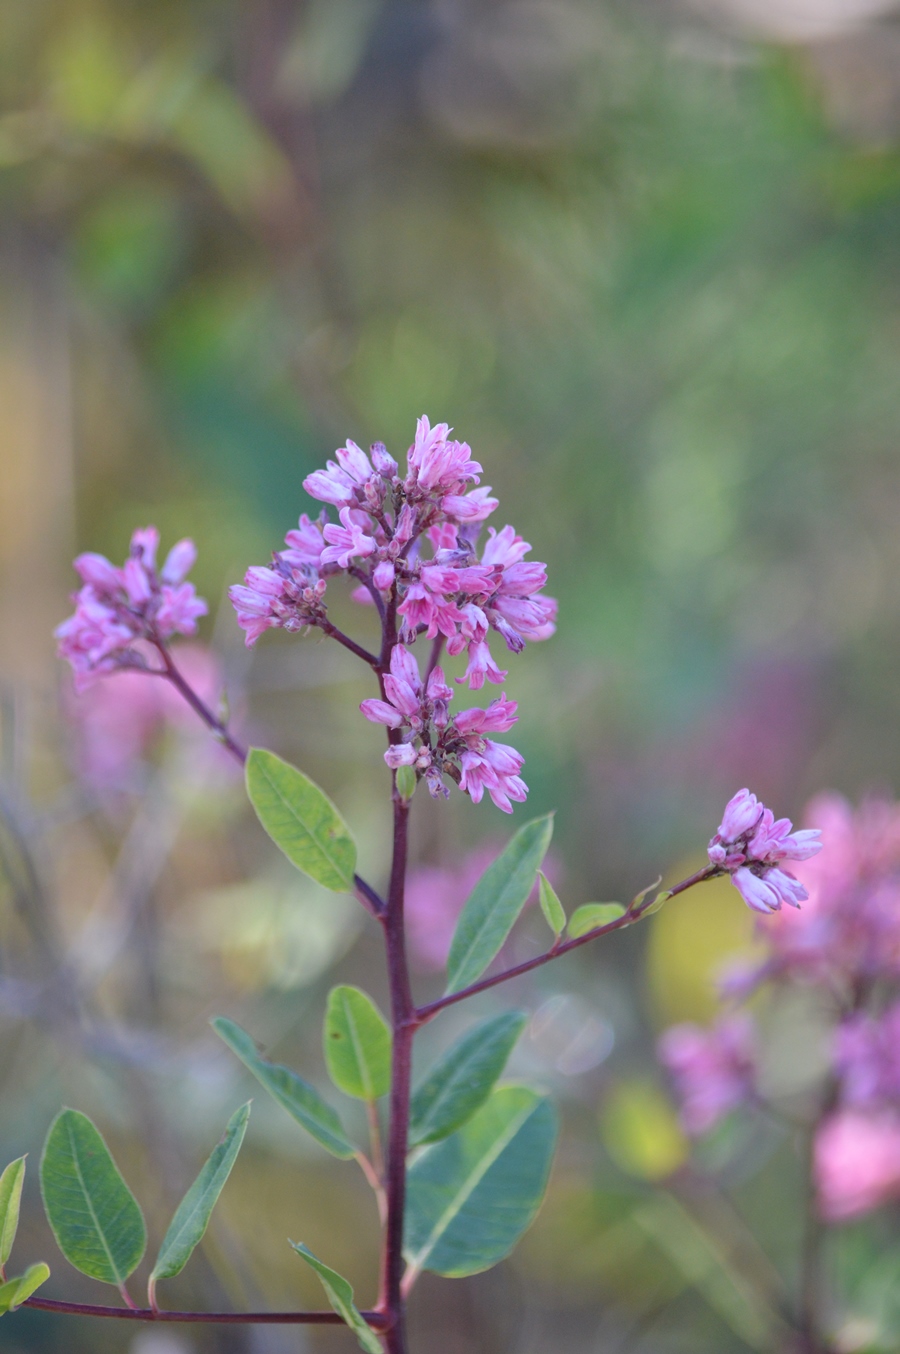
[348, 541]
[437, 463]
[712, 1069]
[474, 506]
[179, 562]
[401, 754]
[495, 769]
[856, 1163]
[499, 717]
[867, 1059]
[481, 665]
[332, 485]
[504, 548]
[305, 544]
[750, 844]
[383, 575]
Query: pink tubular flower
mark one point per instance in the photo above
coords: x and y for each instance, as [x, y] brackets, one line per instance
[437, 464]
[750, 844]
[474, 506]
[494, 768]
[481, 664]
[288, 593]
[348, 541]
[712, 1069]
[856, 1162]
[116, 609]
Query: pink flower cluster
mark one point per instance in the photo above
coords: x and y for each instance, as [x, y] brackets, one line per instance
[385, 523]
[439, 744]
[712, 1070]
[117, 609]
[750, 845]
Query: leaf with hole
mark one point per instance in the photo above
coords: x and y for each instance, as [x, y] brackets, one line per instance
[193, 1213]
[340, 1295]
[471, 1197]
[94, 1216]
[11, 1182]
[463, 1078]
[552, 908]
[357, 1044]
[15, 1291]
[495, 903]
[301, 1100]
[590, 916]
[301, 820]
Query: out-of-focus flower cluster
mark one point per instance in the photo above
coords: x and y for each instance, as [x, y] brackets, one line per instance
[843, 942]
[119, 611]
[410, 542]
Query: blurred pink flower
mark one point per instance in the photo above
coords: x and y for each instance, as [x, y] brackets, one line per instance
[117, 609]
[117, 722]
[867, 1059]
[850, 926]
[712, 1070]
[856, 1163]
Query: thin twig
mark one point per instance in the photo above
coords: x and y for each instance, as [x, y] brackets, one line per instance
[216, 1318]
[334, 633]
[370, 587]
[425, 1013]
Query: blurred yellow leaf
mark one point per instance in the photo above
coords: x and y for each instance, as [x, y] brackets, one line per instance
[690, 941]
[640, 1131]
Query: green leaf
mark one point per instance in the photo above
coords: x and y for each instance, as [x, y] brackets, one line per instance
[591, 915]
[193, 1213]
[11, 1182]
[14, 1292]
[301, 820]
[406, 781]
[657, 903]
[495, 903]
[470, 1197]
[301, 1100]
[357, 1044]
[552, 908]
[340, 1295]
[461, 1081]
[94, 1216]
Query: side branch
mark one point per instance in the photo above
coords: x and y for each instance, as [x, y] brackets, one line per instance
[370, 900]
[213, 1318]
[425, 1013]
[334, 633]
[218, 726]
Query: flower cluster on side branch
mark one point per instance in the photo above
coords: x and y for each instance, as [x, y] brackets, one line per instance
[843, 945]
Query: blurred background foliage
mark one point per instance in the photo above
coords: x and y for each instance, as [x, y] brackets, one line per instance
[644, 258]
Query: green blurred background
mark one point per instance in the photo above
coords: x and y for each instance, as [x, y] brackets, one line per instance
[644, 258]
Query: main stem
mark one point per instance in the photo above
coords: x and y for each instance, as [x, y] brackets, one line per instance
[404, 1022]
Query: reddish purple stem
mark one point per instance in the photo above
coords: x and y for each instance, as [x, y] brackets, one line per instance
[216, 1318]
[406, 1018]
[425, 1013]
